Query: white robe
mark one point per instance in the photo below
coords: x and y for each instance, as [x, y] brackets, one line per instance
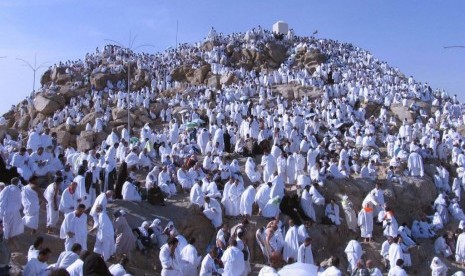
[269, 167]
[234, 195]
[460, 248]
[36, 268]
[415, 164]
[305, 254]
[10, 206]
[213, 212]
[81, 192]
[395, 253]
[233, 260]
[184, 179]
[247, 200]
[354, 252]
[196, 196]
[52, 214]
[68, 202]
[291, 245]
[306, 203]
[65, 259]
[75, 269]
[252, 174]
[130, 193]
[30, 201]
[76, 225]
[191, 260]
[105, 238]
[262, 196]
[365, 221]
[170, 264]
[332, 212]
[102, 201]
[207, 267]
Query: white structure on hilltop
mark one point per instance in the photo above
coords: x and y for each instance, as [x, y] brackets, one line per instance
[280, 27]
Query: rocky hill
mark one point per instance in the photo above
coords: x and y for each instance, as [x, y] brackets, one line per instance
[218, 65]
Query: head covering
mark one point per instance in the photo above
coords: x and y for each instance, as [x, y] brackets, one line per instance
[437, 266]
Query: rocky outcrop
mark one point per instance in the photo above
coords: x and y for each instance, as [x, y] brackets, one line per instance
[48, 104]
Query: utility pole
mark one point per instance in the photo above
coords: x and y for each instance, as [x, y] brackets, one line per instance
[177, 28]
[34, 69]
[130, 48]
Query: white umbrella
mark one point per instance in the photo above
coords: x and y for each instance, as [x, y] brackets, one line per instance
[183, 111]
[299, 269]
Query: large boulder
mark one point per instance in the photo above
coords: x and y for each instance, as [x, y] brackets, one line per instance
[227, 79]
[85, 141]
[214, 82]
[63, 79]
[89, 118]
[48, 104]
[277, 52]
[99, 81]
[46, 77]
[63, 138]
[118, 113]
[200, 74]
[402, 112]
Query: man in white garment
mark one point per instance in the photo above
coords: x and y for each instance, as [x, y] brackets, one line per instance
[10, 206]
[105, 238]
[460, 249]
[415, 164]
[247, 200]
[170, 259]
[130, 193]
[234, 194]
[291, 243]
[38, 266]
[74, 228]
[75, 269]
[233, 260]
[21, 162]
[395, 252]
[81, 193]
[184, 179]
[212, 210]
[191, 260]
[305, 253]
[333, 269]
[102, 200]
[354, 253]
[263, 196]
[332, 212]
[30, 201]
[397, 270]
[196, 196]
[276, 261]
[269, 166]
[52, 196]
[208, 267]
[69, 199]
[67, 258]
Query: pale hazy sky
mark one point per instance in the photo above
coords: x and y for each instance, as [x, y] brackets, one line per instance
[407, 34]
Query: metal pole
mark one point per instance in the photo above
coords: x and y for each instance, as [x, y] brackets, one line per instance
[129, 84]
[176, 46]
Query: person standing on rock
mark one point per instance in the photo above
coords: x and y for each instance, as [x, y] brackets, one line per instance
[10, 206]
[81, 193]
[105, 241]
[53, 197]
[31, 205]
